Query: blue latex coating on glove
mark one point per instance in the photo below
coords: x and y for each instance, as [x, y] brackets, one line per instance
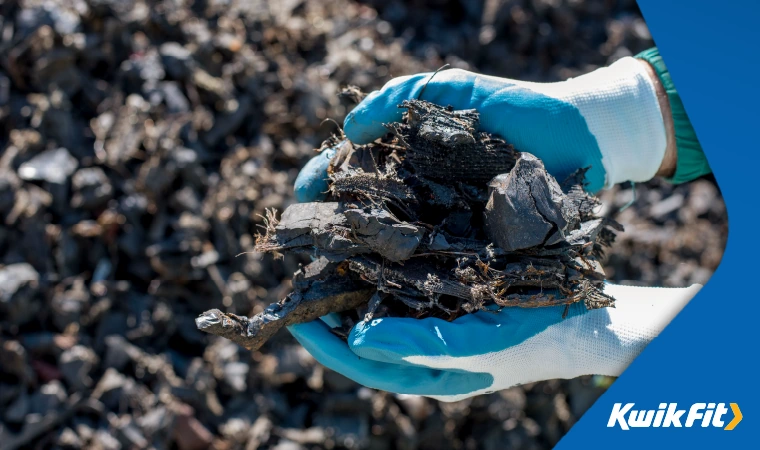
[472, 334]
[311, 183]
[333, 353]
[551, 129]
[377, 351]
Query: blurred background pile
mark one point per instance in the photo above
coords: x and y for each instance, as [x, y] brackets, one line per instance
[140, 142]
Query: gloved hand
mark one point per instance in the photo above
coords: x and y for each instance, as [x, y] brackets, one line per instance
[484, 352]
[609, 119]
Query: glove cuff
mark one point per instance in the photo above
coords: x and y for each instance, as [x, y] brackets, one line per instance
[623, 113]
[692, 162]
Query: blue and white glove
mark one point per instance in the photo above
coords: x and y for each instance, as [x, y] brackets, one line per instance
[485, 352]
[609, 119]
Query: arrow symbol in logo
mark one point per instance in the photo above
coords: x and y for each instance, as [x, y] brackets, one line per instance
[737, 417]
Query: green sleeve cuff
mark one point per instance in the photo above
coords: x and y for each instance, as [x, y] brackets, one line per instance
[692, 162]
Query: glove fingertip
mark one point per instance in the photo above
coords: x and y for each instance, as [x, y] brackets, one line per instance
[366, 122]
[322, 344]
[315, 329]
[361, 131]
[311, 183]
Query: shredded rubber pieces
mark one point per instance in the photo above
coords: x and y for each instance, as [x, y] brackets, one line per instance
[437, 219]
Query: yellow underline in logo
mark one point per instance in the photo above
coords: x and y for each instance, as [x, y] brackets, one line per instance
[737, 417]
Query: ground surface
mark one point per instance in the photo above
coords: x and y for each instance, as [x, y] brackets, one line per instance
[140, 141]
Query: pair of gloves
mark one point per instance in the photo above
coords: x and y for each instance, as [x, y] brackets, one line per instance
[609, 119]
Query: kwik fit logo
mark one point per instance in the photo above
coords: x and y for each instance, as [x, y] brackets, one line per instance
[668, 415]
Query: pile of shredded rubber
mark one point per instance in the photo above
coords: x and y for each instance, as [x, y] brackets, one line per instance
[437, 219]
